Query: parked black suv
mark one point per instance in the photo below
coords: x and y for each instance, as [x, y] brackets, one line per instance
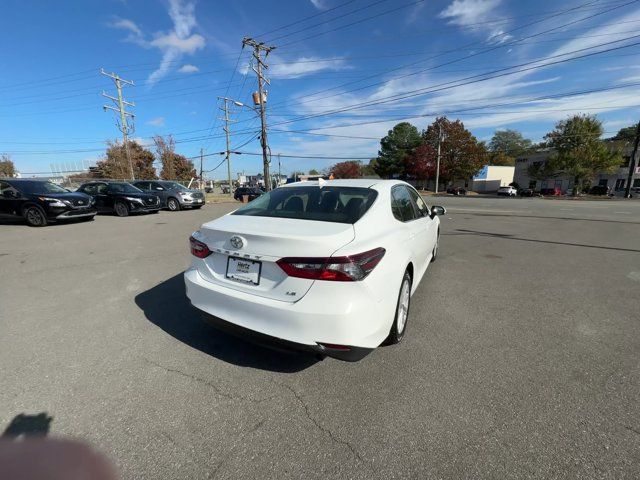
[251, 192]
[173, 195]
[120, 197]
[40, 202]
[456, 191]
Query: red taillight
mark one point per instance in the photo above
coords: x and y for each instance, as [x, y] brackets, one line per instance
[199, 249]
[338, 269]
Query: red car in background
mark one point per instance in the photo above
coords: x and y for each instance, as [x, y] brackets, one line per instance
[556, 191]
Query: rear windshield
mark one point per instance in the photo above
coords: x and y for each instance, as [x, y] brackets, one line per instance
[327, 204]
[40, 187]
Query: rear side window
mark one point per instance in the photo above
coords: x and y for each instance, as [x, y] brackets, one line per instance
[327, 204]
[402, 205]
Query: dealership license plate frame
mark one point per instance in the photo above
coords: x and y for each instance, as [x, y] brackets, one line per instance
[231, 276]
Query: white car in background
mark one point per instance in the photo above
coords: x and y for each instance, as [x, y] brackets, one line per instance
[508, 191]
[326, 267]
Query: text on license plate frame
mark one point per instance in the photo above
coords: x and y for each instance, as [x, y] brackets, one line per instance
[240, 279]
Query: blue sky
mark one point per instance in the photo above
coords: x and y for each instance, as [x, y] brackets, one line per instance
[339, 80]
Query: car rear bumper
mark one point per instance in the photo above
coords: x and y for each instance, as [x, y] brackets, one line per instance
[331, 313]
[353, 354]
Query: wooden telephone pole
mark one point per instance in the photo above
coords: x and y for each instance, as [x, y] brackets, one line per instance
[259, 99]
[121, 104]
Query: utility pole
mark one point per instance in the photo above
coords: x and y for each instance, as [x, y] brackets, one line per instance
[438, 160]
[279, 170]
[122, 104]
[632, 163]
[201, 161]
[259, 98]
[227, 132]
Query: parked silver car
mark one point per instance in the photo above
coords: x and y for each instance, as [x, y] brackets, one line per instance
[173, 195]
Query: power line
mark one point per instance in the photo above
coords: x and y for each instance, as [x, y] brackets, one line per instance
[501, 45]
[472, 80]
[297, 22]
[341, 27]
[308, 27]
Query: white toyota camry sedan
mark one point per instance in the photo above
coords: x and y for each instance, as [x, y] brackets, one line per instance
[327, 267]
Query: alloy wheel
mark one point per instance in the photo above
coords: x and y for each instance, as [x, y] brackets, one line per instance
[35, 217]
[121, 209]
[403, 306]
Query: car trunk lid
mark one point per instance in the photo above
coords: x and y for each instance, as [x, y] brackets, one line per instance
[259, 242]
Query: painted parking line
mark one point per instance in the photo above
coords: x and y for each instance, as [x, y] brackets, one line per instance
[474, 210]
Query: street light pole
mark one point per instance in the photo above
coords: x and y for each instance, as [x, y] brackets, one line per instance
[438, 160]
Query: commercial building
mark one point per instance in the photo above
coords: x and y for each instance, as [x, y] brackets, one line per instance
[616, 181]
[492, 177]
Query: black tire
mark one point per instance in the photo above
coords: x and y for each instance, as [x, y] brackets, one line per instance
[121, 209]
[396, 334]
[434, 253]
[35, 216]
[173, 204]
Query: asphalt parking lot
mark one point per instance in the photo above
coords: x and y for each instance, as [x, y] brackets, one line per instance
[522, 358]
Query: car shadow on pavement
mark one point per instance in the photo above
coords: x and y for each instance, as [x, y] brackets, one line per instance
[24, 425]
[166, 305]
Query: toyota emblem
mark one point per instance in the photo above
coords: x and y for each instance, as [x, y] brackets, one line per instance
[237, 242]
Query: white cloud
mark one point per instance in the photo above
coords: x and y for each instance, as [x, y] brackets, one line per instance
[156, 122]
[633, 78]
[173, 44]
[468, 12]
[557, 108]
[305, 66]
[179, 41]
[476, 15]
[125, 24]
[135, 34]
[319, 4]
[188, 69]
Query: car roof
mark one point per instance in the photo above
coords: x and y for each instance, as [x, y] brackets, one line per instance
[351, 182]
[21, 180]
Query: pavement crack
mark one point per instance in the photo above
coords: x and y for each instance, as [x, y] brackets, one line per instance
[228, 456]
[213, 386]
[321, 427]
[631, 429]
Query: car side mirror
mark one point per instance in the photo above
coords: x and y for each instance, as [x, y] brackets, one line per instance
[437, 210]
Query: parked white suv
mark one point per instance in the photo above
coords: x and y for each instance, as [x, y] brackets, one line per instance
[508, 191]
